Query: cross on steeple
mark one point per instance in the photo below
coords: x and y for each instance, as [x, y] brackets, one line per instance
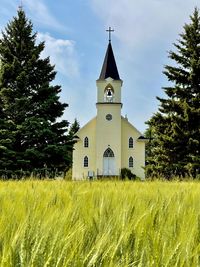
[110, 30]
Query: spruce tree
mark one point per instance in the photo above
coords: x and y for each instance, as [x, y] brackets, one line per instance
[31, 136]
[176, 126]
[74, 127]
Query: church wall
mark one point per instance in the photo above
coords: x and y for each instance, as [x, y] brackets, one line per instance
[137, 152]
[80, 172]
[108, 134]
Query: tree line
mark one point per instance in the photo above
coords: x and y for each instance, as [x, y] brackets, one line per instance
[174, 130]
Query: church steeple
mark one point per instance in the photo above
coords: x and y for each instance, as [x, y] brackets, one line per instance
[109, 83]
[109, 68]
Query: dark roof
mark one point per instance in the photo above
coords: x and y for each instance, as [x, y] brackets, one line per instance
[142, 138]
[109, 68]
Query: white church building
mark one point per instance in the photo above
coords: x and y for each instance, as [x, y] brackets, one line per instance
[108, 142]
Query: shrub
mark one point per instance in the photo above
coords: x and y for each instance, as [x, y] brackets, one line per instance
[126, 173]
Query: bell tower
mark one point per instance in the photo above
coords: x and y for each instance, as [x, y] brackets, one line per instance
[108, 125]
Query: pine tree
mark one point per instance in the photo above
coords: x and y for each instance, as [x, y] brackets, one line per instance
[31, 137]
[75, 126]
[176, 126]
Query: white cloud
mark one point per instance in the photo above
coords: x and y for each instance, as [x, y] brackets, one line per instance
[138, 22]
[37, 9]
[62, 54]
[40, 12]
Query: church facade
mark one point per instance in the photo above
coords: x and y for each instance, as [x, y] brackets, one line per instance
[108, 142]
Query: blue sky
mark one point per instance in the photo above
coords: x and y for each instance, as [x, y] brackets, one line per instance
[76, 41]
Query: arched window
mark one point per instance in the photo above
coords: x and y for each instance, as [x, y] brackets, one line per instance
[86, 142]
[108, 153]
[130, 142]
[109, 94]
[85, 161]
[130, 162]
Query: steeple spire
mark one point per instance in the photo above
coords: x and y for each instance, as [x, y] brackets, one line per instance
[109, 68]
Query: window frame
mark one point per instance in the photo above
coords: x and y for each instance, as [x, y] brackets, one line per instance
[85, 162]
[130, 162]
[130, 142]
[86, 142]
[108, 153]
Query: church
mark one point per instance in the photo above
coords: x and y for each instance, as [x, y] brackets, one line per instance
[108, 142]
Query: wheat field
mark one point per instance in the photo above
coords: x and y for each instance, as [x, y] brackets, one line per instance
[59, 223]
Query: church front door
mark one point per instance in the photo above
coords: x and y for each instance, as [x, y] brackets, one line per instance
[109, 168]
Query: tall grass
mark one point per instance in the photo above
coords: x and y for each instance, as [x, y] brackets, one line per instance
[59, 223]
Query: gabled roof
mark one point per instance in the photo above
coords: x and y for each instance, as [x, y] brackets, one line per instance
[109, 68]
[131, 125]
[85, 126]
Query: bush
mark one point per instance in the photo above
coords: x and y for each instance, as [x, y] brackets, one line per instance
[126, 173]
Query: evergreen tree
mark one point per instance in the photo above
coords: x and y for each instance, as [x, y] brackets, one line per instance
[176, 126]
[148, 146]
[75, 126]
[31, 137]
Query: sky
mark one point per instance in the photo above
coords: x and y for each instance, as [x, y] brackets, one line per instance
[76, 40]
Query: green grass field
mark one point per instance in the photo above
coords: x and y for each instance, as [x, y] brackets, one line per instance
[59, 223]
